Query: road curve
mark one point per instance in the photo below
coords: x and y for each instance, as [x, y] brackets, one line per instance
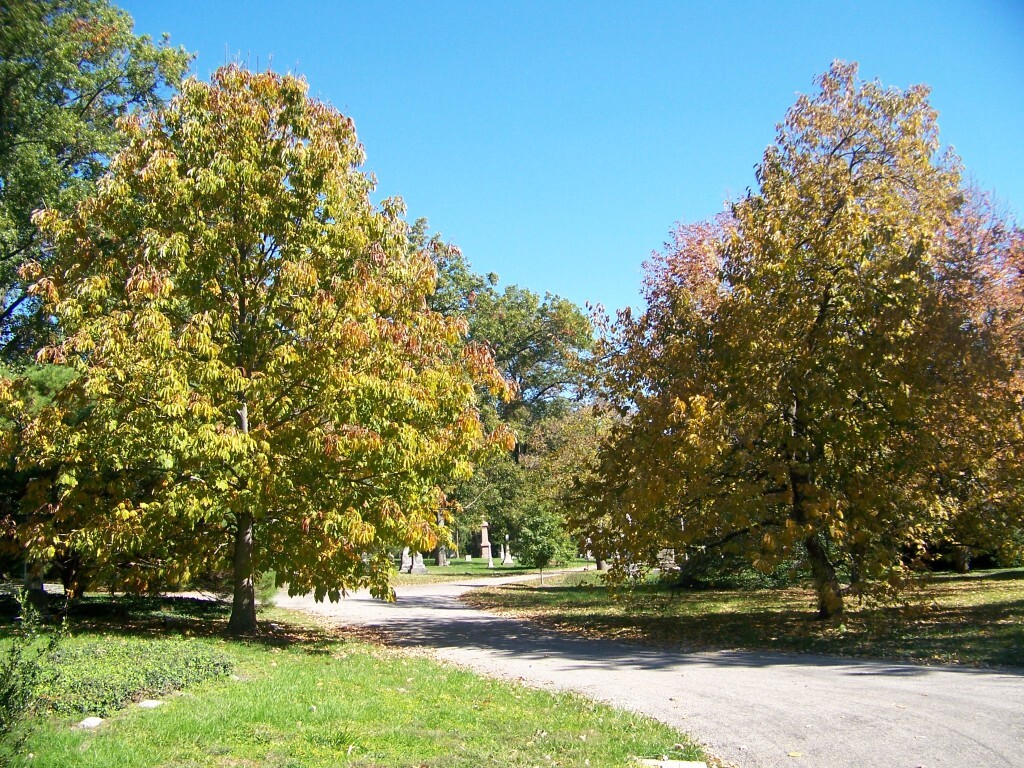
[759, 710]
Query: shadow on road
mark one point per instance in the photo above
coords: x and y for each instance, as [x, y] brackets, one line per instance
[442, 622]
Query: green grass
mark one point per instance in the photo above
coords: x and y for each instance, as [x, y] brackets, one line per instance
[460, 570]
[303, 697]
[975, 619]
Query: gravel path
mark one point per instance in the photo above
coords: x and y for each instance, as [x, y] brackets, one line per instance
[758, 710]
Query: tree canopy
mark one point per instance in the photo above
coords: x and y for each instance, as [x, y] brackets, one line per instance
[807, 362]
[68, 70]
[261, 384]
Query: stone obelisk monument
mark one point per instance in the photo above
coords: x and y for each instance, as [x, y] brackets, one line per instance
[485, 545]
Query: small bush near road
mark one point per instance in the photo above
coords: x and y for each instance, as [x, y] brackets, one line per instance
[25, 664]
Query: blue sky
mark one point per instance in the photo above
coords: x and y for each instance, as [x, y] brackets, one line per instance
[557, 142]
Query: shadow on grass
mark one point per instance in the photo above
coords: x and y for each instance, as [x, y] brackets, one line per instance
[1014, 574]
[576, 648]
[768, 622]
[989, 635]
[174, 616]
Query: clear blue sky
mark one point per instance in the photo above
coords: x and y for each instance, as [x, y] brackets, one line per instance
[557, 142]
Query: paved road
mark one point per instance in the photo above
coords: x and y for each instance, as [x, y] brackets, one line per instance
[750, 708]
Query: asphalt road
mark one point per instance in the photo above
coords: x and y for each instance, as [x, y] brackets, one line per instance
[754, 709]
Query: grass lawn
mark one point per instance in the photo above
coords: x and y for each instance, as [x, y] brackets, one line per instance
[474, 569]
[303, 697]
[975, 619]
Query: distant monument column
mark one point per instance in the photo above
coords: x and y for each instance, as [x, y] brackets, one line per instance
[506, 553]
[485, 545]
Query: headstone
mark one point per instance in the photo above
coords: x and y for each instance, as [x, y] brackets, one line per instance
[406, 561]
[506, 553]
[417, 564]
[469, 558]
[91, 722]
[150, 703]
[485, 544]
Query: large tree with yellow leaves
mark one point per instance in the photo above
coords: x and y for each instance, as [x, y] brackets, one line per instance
[260, 381]
[814, 376]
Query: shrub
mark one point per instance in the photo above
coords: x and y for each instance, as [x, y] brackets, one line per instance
[26, 663]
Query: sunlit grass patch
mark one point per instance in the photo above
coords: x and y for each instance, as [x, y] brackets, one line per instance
[302, 697]
[461, 569]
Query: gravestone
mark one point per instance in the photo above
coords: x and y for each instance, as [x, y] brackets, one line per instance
[412, 562]
[485, 545]
[417, 564]
[506, 553]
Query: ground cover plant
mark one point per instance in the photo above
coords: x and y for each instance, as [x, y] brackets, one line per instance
[299, 695]
[100, 674]
[975, 619]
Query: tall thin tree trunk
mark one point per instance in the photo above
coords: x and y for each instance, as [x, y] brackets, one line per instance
[961, 559]
[441, 553]
[243, 604]
[826, 583]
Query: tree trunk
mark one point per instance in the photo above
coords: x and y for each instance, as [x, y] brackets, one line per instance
[961, 559]
[441, 553]
[826, 583]
[72, 577]
[243, 604]
[600, 564]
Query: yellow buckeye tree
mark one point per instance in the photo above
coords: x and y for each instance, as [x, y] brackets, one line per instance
[807, 364]
[261, 383]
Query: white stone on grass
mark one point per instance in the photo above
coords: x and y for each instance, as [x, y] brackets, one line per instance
[150, 703]
[91, 722]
